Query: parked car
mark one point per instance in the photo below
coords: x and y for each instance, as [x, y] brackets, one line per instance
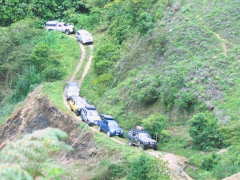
[60, 26]
[90, 115]
[71, 90]
[110, 126]
[84, 37]
[140, 138]
[76, 103]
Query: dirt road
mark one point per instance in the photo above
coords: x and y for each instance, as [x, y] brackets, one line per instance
[176, 164]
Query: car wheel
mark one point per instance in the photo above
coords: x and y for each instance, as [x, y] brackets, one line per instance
[99, 129]
[77, 113]
[141, 146]
[67, 32]
[155, 148]
[108, 134]
[130, 143]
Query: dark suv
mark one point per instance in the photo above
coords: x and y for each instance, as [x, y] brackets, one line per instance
[140, 138]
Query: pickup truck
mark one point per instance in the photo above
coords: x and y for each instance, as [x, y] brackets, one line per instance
[141, 138]
[110, 126]
[59, 26]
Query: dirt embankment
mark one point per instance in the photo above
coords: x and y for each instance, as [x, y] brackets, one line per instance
[39, 114]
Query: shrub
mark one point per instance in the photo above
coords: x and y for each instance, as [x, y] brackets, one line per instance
[146, 89]
[146, 22]
[229, 163]
[26, 83]
[170, 86]
[155, 125]
[148, 168]
[40, 56]
[185, 99]
[102, 82]
[209, 162]
[204, 131]
[105, 57]
[119, 29]
[231, 133]
[52, 73]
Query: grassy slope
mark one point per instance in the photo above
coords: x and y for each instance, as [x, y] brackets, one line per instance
[70, 51]
[202, 46]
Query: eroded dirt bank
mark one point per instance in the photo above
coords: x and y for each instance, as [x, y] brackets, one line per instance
[37, 113]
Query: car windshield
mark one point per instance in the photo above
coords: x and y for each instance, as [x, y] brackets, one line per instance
[93, 113]
[113, 124]
[144, 135]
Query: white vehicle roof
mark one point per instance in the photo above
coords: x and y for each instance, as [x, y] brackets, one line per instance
[52, 22]
[83, 31]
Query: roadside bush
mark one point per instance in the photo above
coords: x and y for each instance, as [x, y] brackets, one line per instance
[231, 133]
[105, 57]
[148, 168]
[26, 83]
[209, 161]
[229, 163]
[52, 73]
[40, 56]
[204, 131]
[156, 125]
[119, 29]
[102, 82]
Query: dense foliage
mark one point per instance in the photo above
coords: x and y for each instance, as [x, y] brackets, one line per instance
[204, 131]
[156, 125]
[29, 157]
[148, 168]
[14, 10]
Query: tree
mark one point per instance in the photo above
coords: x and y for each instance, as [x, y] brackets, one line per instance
[28, 158]
[155, 125]
[204, 131]
[40, 56]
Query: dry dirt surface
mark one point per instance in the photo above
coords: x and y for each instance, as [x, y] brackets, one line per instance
[233, 177]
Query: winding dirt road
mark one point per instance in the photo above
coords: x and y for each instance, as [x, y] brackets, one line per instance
[176, 164]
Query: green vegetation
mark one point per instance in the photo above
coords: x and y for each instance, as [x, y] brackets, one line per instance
[29, 57]
[184, 59]
[204, 131]
[136, 164]
[146, 167]
[180, 81]
[29, 157]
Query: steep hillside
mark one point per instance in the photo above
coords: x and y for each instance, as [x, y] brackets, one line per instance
[186, 64]
[171, 66]
[37, 114]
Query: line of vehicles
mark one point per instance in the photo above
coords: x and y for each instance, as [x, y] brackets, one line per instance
[82, 35]
[105, 123]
